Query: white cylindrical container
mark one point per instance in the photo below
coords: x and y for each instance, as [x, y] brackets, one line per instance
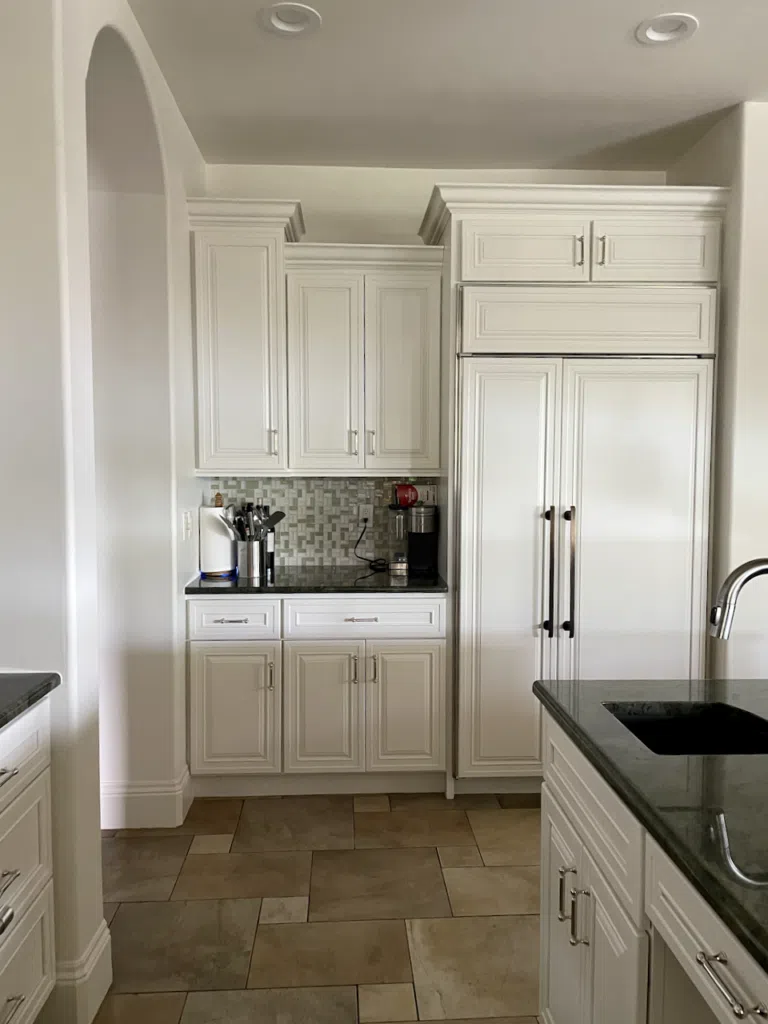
[217, 548]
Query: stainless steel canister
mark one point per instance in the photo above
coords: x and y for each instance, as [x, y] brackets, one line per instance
[421, 519]
[250, 559]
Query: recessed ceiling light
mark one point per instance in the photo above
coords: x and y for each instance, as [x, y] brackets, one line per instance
[666, 28]
[290, 19]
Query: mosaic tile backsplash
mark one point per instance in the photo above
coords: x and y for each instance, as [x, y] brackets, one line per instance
[320, 525]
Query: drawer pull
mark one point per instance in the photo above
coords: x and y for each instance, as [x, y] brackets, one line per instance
[7, 878]
[6, 774]
[353, 618]
[574, 938]
[12, 1006]
[231, 622]
[563, 872]
[271, 675]
[355, 678]
[6, 918]
[374, 668]
[706, 961]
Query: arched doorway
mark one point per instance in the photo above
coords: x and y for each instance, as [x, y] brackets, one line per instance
[132, 430]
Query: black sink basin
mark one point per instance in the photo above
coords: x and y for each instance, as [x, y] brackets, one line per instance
[690, 727]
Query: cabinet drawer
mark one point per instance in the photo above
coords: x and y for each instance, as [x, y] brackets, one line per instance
[223, 618]
[25, 749]
[525, 248]
[669, 249]
[600, 319]
[611, 833]
[386, 617]
[691, 928]
[27, 963]
[25, 847]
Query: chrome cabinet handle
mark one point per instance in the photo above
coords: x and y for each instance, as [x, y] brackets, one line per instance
[274, 436]
[580, 249]
[549, 622]
[7, 878]
[375, 667]
[563, 873]
[271, 675]
[6, 774]
[355, 680]
[353, 618]
[574, 937]
[6, 918]
[355, 443]
[373, 442]
[12, 1006]
[221, 622]
[601, 247]
[570, 623]
[706, 961]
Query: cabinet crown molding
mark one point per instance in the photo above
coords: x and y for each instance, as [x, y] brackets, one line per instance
[456, 200]
[248, 213]
[333, 254]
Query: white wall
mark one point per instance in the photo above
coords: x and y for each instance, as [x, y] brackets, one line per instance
[48, 618]
[735, 153]
[377, 204]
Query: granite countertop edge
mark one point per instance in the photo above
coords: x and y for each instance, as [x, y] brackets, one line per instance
[27, 689]
[232, 588]
[705, 882]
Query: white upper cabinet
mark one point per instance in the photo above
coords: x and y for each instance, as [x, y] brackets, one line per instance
[656, 249]
[239, 295]
[325, 364]
[602, 319]
[525, 247]
[402, 371]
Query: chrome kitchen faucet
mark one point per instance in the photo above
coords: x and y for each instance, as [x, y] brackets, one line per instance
[721, 616]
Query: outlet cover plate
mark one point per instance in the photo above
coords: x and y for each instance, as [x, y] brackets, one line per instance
[365, 512]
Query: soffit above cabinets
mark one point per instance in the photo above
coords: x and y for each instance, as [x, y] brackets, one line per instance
[454, 83]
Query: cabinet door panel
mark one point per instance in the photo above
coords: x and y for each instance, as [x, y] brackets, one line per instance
[402, 370]
[519, 247]
[324, 707]
[635, 466]
[508, 473]
[405, 705]
[668, 249]
[240, 325]
[235, 708]
[562, 965]
[325, 384]
[617, 965]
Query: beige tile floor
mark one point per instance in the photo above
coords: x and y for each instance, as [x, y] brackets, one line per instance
[327, 910]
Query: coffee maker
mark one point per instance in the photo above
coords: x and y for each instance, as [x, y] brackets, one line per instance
[413, 537]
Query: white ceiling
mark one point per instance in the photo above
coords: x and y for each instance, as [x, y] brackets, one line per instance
[454, 83]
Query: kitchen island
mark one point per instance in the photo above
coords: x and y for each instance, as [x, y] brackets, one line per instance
[657, 862]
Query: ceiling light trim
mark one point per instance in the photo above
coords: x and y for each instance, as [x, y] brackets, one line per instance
[666, 28]
[290, 19]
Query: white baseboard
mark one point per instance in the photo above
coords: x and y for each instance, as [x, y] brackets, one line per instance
[82, 984]
[162, 804]
[322, 785]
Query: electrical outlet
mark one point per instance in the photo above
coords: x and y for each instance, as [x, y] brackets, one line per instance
[365, 512]
[186, 524]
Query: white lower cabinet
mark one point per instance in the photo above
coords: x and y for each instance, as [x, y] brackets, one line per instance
[364, 706]
[324, 706]
[594, 959]
[235, 701]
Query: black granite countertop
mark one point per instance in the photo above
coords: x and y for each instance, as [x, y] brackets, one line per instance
[22, 690]
[677, 797]
[314, 579]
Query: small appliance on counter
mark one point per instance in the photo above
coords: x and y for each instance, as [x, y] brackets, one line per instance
[413, 538]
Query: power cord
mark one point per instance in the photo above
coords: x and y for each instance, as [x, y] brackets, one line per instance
[375, 564]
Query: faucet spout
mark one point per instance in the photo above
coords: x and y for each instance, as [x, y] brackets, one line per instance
[721, 616]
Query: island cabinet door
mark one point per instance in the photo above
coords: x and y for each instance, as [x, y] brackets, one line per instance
[324, 706]
[616, 981]
[562, 968]
[235, 703]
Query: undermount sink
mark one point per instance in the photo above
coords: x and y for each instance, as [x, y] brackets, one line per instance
[691, 727]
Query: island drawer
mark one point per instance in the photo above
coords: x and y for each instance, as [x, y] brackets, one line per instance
[224, 618]
[693, 932]
[386, 617]
[27, 962]
[25, 847]
[612, 834]
[25, 749]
